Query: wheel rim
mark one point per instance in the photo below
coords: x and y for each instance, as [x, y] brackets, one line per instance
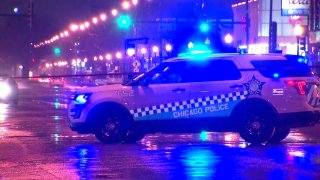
[111, 127]
[256, 129]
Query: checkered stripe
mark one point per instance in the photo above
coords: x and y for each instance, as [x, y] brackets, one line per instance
[192, 103]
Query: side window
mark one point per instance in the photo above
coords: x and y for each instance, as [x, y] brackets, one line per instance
[168, 74]
[214, 70]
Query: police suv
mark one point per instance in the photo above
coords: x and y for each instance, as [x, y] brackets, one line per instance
[259, 96]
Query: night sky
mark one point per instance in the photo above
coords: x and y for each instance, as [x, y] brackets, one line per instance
[52, 16]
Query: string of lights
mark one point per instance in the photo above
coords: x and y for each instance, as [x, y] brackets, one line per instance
[95, 20]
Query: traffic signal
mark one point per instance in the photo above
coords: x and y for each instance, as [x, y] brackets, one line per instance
[244, 22]
[273, 37]
[30, 13]
[16, 10]
[57, 51]
[204, 27]
[124, 21]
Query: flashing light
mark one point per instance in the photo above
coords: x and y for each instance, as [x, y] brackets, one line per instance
[228, 39]
[204, 136]
[81, 98]
[168, 47]
[95, 58]
[101, 57]
[201, 52]
[204, 27]
[5, 90]
[302, 60]
[276, 75]
[190, 45]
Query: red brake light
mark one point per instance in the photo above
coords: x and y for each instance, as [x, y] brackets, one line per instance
[291, 83]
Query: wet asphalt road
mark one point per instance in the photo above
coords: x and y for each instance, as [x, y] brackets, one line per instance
[36, 143]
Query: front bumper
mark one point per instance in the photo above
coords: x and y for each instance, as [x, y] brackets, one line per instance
[76, 122]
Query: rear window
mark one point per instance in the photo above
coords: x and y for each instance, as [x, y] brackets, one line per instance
[285, 68]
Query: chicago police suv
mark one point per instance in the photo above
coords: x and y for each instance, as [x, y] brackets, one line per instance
[259, 96]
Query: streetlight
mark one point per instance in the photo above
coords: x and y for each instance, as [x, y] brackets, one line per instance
[118, 55]
[168, 47]
[126, 5]
[299, 32]
[114, 12]
[143, 51]
[155, 49]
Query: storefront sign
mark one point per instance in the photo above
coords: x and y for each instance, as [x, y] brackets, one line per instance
[295, 7]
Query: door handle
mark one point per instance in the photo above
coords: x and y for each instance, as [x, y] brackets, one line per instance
[178, 90]
[236, 86]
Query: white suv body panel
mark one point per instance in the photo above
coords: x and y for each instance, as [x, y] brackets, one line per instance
[203, 99]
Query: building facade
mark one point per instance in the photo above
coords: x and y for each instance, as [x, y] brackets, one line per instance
[259, 13]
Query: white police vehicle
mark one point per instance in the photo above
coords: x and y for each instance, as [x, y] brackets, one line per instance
[260, 96]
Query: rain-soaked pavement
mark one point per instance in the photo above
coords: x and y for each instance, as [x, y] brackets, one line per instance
[36, 143]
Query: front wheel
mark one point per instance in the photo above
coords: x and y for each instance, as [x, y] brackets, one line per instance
[112, 129]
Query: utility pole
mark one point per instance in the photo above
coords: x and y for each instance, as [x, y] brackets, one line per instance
[247, 24]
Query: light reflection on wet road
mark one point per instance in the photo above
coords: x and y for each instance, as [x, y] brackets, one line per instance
[36, 143]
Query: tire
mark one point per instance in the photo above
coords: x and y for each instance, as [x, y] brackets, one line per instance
[133, 137]
[256, 123]
[111, 126]
[280, 134]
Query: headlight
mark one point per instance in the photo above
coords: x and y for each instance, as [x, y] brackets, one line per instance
[5, 90]
[81, 98]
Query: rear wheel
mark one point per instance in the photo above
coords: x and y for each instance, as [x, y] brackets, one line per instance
[280, 134]
[256, 123]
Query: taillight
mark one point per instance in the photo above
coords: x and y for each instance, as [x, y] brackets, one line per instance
[300, 85]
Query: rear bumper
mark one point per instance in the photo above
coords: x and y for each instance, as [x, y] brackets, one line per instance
[299, 119]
